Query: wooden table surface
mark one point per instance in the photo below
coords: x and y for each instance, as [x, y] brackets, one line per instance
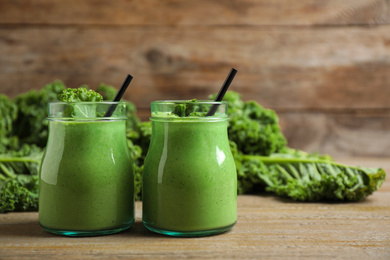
[268, 227]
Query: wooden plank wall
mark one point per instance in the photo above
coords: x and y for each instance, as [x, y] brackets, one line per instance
[323, 65]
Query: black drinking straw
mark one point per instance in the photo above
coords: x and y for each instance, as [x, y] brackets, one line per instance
[119, 95]
[222, 91]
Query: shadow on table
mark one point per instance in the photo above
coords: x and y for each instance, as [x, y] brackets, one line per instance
[27, 229]
[276, 198]
[138, 230]
[33, 229]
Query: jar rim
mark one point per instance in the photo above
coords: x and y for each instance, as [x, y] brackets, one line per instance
[199, 110]
[87, 102]
[74, 111]
[173, 101]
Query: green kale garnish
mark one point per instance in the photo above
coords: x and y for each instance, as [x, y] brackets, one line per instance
[80, 99]
[190, 108]
[81, 94]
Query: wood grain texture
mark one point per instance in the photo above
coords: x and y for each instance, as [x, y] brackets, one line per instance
[281, 68]
[268, 228]
[200, 12]
[338, 134]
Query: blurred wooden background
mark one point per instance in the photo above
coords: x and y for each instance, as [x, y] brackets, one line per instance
[323, 65]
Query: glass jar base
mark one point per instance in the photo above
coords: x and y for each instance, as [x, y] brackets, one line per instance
[88, 233]
[200, 233]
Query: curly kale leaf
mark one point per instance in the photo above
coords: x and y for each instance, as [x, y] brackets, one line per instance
[108, 92]
[138, 144]
[138, 171]
[310, 178]
[19, 179]
[190, 108]
[80, 99]
[8, 114]
[264, 162]
[247, 173]
[145, 135]
[31, 126]
[24, 161]
[81, 94]
[132, 119]
[253, 128]
[19, 194]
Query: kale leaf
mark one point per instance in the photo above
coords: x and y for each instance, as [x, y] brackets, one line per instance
[308, 178]
[81, 94]
[138, 142]
[81, 100]
[254, 129]
[31, 126]
[8, 114]
[190, 108]
[19, 179]
[19, 194]
[108, 92]
[264, 162]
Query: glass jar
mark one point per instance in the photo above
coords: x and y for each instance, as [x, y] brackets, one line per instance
[189, 178]
[86, 180]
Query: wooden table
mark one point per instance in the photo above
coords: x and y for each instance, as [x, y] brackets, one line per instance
[268, 227]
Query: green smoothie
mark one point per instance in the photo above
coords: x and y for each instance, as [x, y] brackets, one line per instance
[86, 178]
[189, 179]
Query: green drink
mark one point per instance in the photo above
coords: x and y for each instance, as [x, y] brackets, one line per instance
[86, 177]
[189, 179]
